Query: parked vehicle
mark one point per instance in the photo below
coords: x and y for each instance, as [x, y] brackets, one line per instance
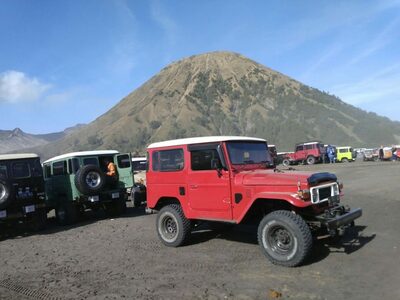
[139, 165]
[387, 153]
[77, 181]
[310, 153]
[228, 179]
[345, 154]
[370, 155]
[22, 190]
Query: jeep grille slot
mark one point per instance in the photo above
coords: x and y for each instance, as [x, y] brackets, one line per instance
[323, 192]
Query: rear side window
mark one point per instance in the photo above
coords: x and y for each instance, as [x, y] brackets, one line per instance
[308, 147]
[139, 165]
[299, 148]
[74, 165]
[204, 160]
[20, 170]
[3, 171]
[47, 171]
[123, 161]
[167, 160]
[60, 168]
[90, 161]
[343, 150]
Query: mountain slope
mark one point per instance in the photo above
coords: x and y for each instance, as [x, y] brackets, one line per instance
[17, 140]
[223, 93]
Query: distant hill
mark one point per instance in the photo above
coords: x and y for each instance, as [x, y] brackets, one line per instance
[223, 93]
[17, 140]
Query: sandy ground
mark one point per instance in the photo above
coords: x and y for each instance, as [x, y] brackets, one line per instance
[123, 258]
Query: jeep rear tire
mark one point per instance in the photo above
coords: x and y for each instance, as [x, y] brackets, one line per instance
[90, 180]
[138, 195]
[285, 238]
[310, 160]
[66, 213]
[39, 220]
[173, 228]
[286, 162]
[344, 160]
[5, 193]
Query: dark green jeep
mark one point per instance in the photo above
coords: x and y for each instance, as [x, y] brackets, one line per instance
[22, 191]
[77, 181]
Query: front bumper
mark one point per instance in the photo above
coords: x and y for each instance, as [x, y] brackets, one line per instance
[338, 217]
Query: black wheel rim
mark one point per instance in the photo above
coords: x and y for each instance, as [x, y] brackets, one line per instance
[169, 228]
[280, 240]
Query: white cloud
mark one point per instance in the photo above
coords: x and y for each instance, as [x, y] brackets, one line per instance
[17, 87]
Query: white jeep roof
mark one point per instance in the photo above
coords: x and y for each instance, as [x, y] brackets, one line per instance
[343, 147]
[18, 156]
[82, 153]
[203, 139]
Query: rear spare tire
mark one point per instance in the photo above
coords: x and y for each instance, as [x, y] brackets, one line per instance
[285, 238]
[90, 180]
[5, 193]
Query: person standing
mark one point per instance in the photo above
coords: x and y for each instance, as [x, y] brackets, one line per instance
[381, 153]
[111, 174]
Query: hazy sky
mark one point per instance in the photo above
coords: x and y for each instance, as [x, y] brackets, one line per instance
[68, 62]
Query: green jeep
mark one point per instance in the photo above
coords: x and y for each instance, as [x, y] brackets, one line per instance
[77, 181]
[22, 191]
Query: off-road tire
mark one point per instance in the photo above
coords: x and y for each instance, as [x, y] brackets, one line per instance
[116, 208]
[38, 220]
[310, 160]
[66, 213]
[173, 228]
[344, 160]
[5, 193]
[138, 195]
[286, 162]
[90, 180]
[284, 238]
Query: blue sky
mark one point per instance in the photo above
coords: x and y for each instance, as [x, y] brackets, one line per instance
[68, 62]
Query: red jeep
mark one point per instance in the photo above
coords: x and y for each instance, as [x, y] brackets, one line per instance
[228, 179]
[309, 153]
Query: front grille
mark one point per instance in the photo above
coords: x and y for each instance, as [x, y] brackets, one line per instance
[324, 193]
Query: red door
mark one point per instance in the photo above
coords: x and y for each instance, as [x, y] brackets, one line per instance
[209, 190]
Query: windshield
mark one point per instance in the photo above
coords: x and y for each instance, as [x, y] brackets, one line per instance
[243, 153]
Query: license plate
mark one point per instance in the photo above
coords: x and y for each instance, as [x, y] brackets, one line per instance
[94, 198]
[3, 214]
[115, 195]
[29, 208]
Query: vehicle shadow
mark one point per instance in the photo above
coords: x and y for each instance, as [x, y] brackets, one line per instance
[17, 231]
[352, 241]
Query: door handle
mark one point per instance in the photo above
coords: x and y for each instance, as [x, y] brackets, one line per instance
[194, 186]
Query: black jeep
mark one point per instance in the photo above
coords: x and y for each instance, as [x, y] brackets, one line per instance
[22, 196]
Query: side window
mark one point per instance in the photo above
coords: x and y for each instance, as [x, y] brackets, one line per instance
[204, 160]
[123, 161]
[60, 168]
[74, 165]
[308, 147]
[20, 170]
[47, 171]
[90, 161]
[168, 160]
[299, 148]
[3, 171]
[342, 150]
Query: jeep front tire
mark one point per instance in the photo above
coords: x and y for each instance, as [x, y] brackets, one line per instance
[173, 228]
[285, 238]
[286, 162]
[310, 160]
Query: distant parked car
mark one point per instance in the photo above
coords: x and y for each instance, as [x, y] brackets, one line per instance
[345, 154]
[22, 190]
[310, 153]
[77, 181]
[370, 155]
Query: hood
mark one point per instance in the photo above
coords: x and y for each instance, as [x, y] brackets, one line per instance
[285, 178]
